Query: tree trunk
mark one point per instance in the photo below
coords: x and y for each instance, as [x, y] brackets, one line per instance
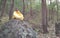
[57, 9]
[26, 1]
[3, 8]
[23, 7]
[11, 9]
[52, 15]
[30, 7]
[1, 4]
[44, 16]
[50, 12]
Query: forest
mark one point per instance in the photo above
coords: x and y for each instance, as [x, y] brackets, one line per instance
[29, 18]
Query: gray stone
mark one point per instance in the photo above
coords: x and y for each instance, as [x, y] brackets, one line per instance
[17, 29]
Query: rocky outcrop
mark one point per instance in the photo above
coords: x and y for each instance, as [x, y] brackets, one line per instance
[17, 29]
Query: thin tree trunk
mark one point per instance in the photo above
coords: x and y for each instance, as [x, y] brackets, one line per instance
[23, 7]
[11, 9]
[26, 1]
[3, 8]
[44, 16]
[50, 12]
[30, 7]
[1, 4]
[57, 9]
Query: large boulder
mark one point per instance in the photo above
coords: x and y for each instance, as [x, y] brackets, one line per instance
[17, 29]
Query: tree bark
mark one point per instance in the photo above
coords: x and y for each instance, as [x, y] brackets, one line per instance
[11, 9]
[3, 8]
[50, 12]
[1, 4]
[23, 7]
[44, 16]
[30, 7]
[57, 9]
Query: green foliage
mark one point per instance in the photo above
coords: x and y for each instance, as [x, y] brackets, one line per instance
[18, 4]
[52, 5]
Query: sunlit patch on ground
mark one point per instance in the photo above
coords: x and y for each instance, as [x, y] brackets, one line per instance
[4, 19]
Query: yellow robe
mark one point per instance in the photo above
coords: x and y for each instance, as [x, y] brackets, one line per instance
[18, 15]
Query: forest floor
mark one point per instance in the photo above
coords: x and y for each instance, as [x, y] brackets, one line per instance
[51, 34]
[51, 28]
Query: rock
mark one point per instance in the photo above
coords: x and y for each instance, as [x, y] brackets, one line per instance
[17, 29]
[57, 29]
